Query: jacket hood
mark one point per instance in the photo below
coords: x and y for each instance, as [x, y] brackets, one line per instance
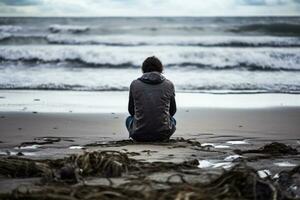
[152, 78]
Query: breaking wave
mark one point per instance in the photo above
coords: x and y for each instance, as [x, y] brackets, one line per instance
[200, 54]
[263, 59]
[9, 29]
[186, 79]
[226, 89]
[58, 28]
[272, 28]
[204, 41]
[201, 41]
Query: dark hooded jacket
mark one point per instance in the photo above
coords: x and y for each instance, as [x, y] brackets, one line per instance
[152, 104]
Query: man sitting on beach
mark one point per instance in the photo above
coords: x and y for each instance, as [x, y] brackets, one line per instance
[151, 104]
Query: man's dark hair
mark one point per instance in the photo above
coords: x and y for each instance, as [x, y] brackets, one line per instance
[152, 64]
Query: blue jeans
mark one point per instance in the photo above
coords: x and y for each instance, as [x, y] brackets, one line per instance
[129, 123]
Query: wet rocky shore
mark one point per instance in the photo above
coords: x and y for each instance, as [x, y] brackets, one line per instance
[127, 170]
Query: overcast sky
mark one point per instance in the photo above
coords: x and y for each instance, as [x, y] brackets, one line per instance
[149, 7]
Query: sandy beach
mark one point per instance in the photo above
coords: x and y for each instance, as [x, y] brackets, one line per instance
[206, 124]
[55, 124]
[89, 116]
[232, 66]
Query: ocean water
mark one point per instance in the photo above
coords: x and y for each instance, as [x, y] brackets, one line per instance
[200, 54]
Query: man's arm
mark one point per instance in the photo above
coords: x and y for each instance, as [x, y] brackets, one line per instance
[173, 107]
[131, 104]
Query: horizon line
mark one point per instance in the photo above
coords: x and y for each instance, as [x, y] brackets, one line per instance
[148, 16]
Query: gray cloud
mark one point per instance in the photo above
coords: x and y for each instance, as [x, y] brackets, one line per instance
[148, 7]
[251, 2]
[264, 2]
[20, 2]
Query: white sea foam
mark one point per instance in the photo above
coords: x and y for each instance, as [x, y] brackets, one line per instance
[14, 153]
[29, 153]
[132, 40]
[4, 153]
[215, 146]
[34, 146]
[236, 142]
[204, 164]
[264, 173]
[73, 78]
[76, 147]
[215, 55]
[4, 35]
[90, 67]
[224, 165]
[106, 79]
[212, 58]
[232, 158]
[214, 164]
[10, 28]
[68, 28]
[276, 176]
[285, 164]
[61, 35]
[208, 145]
[222, 146]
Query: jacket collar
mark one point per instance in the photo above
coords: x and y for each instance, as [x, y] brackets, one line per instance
[152, 78]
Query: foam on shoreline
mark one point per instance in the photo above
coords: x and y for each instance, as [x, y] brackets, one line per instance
[107, 102]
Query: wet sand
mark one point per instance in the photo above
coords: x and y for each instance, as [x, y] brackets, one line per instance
[206, 124]
[221, 129]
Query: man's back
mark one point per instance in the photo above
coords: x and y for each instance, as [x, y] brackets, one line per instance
[152, 103]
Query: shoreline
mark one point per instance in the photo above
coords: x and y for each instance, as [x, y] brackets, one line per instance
[208, 125]
[116, 102]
